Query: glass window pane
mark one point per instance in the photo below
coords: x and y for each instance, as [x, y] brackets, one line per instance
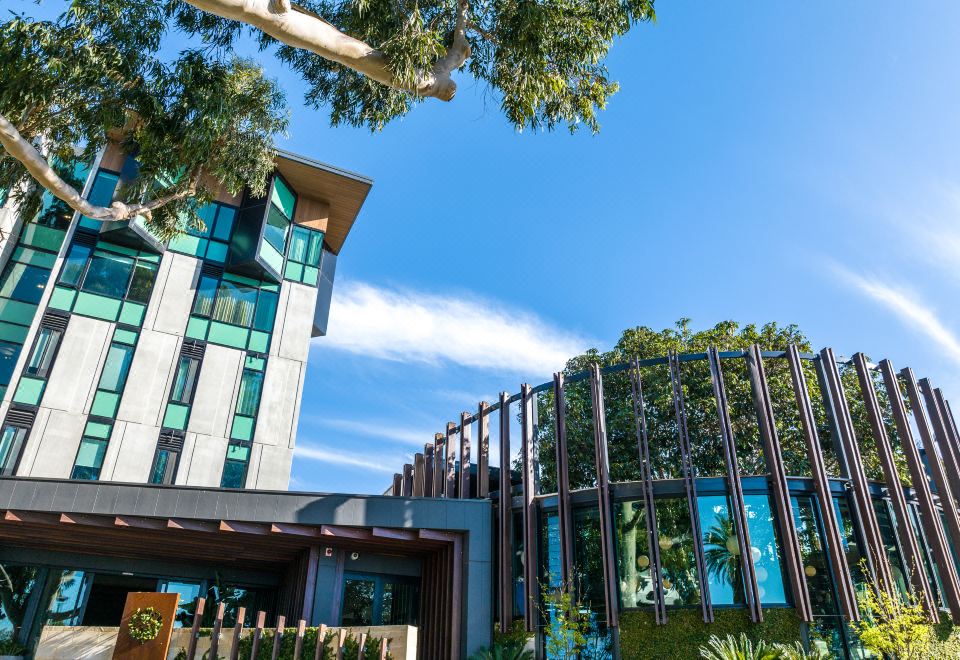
[721, 551]
[249, 397]
[164, 466]
[43, 351]
[67, 601]
[89, 459]
[299, 244]
[813, 555]
[680, 583]
[235, 303]
[16, 587]
[116, 367]
[206, 292]
[357, 602]
[11, 441]
[849, 539]
[266, 311]
[184, 380]
[316, 248]
[633, 555]
[9, 353]
[234, 474]
[104, 185]
[275, 229]
[188, 600]
[224, 225]
[283, 197]
[74, 264]
[142, 284]
[108, 274]
[23, 282]
[891, 545]
[765, 549]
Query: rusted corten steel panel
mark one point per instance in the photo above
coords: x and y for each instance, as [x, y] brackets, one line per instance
[483, 456]
[930, 519]
[530, 555]
[908, 541]
[505, 518]
[465, 456]
[838, 563]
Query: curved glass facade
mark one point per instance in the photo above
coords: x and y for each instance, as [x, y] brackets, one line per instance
[747, 480]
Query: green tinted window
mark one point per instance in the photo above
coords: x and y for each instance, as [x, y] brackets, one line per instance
[108, 274]
[248, 400]
[74, 264]
[89, 459]
[116, 367]
[185, 380]
[235, 304]
[142, 284]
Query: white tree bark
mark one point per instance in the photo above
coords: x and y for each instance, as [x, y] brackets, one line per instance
[38, 167]
[301, 29]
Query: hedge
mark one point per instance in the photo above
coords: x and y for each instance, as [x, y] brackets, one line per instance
[685, 631]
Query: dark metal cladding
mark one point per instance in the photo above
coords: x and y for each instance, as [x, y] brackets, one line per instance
[690, 485]
[483, 455]
[737, 505]
[407, 480]
[564, 509]
[860, 487]
[505, 518]
[605, 500]
[450, 490]
[418, 478]
[908, 541]
[530, 554]
[838, 563]
[950, 458]
[465, 456]
[929, 515]
[428, 461]
[937, 469]
[439, 465]
[646, 478]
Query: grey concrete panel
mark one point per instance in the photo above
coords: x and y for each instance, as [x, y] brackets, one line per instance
[275, 419]
[77, 368]
[33, 443]
[58, 441]
[274, 469]
[144, 398]
[216, 390]
[206, 461]
[169, 308]
[186, 456]
[136, 446]
[294, 335]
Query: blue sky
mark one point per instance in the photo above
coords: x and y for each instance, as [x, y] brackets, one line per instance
[764, 161]
[796, 162]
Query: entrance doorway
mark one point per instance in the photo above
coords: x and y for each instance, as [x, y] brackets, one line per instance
[108, 594]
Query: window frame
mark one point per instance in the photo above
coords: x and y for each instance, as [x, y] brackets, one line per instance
[85, 270]
[61, 333]
[19, 448]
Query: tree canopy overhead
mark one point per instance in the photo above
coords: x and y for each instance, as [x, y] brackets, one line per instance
[205, 114]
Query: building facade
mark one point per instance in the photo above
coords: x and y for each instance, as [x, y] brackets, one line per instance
[641, 485]
[126, 359]
[150, 397]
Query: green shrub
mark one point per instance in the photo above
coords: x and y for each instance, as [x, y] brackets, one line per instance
[743, 648]
[685, 632]
[9, 646]
[351, 646]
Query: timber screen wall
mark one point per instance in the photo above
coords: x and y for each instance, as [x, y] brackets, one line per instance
[643, 484]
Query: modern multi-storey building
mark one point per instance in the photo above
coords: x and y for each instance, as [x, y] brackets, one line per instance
[124, 359]
[150, 396]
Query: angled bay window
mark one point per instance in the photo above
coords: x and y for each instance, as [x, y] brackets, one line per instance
[244, 422]
[213, 241]
[262, 232]
[303, 255]
[93, 448]
[46, 344]
[113, 377]
[106, 281]
[232, 310]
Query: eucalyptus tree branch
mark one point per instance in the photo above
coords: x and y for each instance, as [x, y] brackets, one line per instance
[21, 149]
[299, 28]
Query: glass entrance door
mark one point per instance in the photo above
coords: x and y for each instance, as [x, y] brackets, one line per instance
[379, 600]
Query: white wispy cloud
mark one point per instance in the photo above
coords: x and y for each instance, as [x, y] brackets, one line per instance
[414, 326]
[908, 308]
[330, 456]
[383, 430]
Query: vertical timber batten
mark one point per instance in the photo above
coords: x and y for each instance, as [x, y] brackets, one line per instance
[483, 456]
[646, 476]
[942, 437]
[564, 514]
[838, 563]
[450, 490]
[690, 485]
[930, 519]
[908, 541]
[439, 465]
[867, 516]
[604, 499]
[530, 554]
[737, 506]
[465, 456]
[505, 508]
[428, 461]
